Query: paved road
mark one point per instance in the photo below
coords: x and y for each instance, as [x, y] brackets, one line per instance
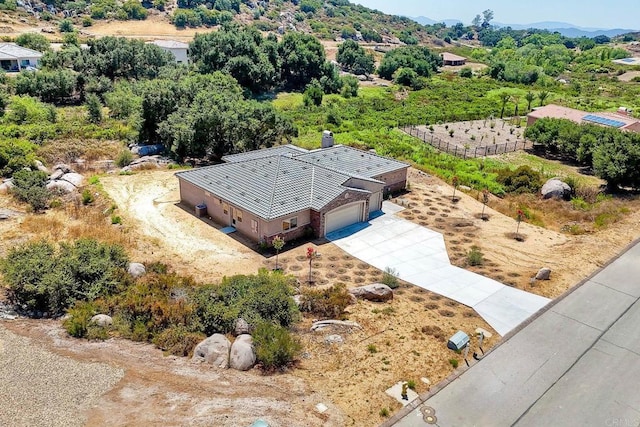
[420, 256]
[578, 364]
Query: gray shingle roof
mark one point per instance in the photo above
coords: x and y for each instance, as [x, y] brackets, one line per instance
[279, 150]
[352, 161]
[271, 187]
[13, 51]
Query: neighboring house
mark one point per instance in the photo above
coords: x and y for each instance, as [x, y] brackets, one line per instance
[179, 50]
[17, 58]
[451, 59]
[621, 119]
[292, 192]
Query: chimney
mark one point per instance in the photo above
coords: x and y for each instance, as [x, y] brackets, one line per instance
[327, 139]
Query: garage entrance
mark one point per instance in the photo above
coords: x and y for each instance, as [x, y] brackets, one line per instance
[343, 217]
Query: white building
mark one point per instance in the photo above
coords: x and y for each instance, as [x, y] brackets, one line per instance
[17, 58]
[179, 50]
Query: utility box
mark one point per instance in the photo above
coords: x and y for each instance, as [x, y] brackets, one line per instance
[327, 139]
[458, 341]
[201, 210]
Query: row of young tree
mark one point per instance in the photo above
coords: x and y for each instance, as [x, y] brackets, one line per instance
[613, 155]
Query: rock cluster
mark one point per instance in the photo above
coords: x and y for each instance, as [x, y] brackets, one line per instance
[377, 292]
[218, 351]
[555, 188]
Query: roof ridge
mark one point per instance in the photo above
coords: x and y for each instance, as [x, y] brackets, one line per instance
[313, 179]
[273, 190]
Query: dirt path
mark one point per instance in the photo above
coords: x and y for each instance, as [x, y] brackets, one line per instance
[148, 201]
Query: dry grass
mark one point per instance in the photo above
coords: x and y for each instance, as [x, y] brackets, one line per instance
[68, 151]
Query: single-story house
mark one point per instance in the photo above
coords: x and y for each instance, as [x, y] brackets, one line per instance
[621, 119]
[292, 192]
[17, 58]
[451, 59]
[179, 50]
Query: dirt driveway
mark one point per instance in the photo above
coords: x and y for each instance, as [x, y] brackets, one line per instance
[148, 201]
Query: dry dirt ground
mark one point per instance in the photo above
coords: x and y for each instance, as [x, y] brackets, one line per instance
[628, 76]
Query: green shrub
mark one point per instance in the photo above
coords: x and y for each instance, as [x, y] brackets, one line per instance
[44, 278]
[454, 363]
[178, 340]
[275, 347]
[411, 384]
[80, 314]
[65, 26]
[156, 267]
[390, 277]
[87, 197]
[521, 180]
[265, 297]
[327, 303]
[384, 412]
[371, 348]
[116, 220]
[30, 187]
[125, 157]
[96, 332]
[475, 257]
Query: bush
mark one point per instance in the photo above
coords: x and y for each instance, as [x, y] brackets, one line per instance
[275, 347]
[390, 277]
[87, 197]
[466, 72]
[521, 180]
[66, 26]
[30, 187]
[178, 340]
[384, 412]
[125, 157]
[328, 303]
[475, 257]
[313, 94]
[44, 278]
[371, 348]
[80, 314]
[265, 297]
[94, 108]
[454, 363]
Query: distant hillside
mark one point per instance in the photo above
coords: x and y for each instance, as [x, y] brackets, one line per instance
[567, 29]
[428, 21]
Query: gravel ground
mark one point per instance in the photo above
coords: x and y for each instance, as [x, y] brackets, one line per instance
[40, 388]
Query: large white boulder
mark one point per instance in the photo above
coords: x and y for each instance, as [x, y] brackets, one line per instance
[376, 292]
[136, 269]
[554, 188]
[243, 355]
[102, 320]
[74, 178]
[61, 186]
[213, 350]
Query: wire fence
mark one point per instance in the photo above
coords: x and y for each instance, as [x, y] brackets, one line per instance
[467, 151]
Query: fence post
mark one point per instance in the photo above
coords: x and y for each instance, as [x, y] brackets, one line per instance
[475, 152]
[465, 153]
[455, 150]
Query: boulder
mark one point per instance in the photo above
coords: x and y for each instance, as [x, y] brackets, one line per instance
[62, 167]
[377, 292]
[243, 355]
[61, 186]
[136, 269]
[333, 339]
[41, 167]
[556, 189]
[57, 174]
[543, 274]
[241, 327]
[322, 324]
[102, 320]
[213, 350]
[6, 186]
[298, 300]
[74, 178]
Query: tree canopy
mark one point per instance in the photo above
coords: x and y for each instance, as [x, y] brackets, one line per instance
[353, 58]
[418, 58]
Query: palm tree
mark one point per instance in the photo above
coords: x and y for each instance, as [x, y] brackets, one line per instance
[530, 97]
[542, 96]
[504, 98]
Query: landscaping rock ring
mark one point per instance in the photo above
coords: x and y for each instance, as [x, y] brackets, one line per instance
[430, 419]
[427, 410]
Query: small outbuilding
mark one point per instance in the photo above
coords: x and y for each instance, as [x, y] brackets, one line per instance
[453, 60]
[179, 50]
[17, 58]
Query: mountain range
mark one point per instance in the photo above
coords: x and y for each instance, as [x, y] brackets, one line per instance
[564, 28]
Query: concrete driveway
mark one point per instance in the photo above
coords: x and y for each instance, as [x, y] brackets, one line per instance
[420, 256]
[577, 364]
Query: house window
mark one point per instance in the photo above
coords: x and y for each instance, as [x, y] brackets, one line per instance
[290, 223]
[225, 208]
[238, 215]
[254, 226]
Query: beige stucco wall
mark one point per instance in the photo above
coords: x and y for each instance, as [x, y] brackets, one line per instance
[394, 181]
[274, 227]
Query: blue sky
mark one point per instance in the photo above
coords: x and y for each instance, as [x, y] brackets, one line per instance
[583, 13]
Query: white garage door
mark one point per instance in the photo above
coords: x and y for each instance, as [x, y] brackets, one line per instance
[375, 202]
[342, 217]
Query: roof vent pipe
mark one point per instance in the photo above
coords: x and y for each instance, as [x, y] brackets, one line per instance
[327, 139]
